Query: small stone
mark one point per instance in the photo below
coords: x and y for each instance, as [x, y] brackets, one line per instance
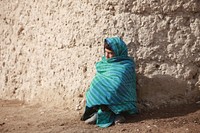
[148, 126]
[78, 107]
[123, 129]
[42, 112]
[80, 95]
[155, 126]
[1, 124]
[62, 124]
[198, 102]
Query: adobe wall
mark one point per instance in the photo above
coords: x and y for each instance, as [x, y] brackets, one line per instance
[48, 48]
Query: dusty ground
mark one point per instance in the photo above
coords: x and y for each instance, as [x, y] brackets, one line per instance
[16, 117]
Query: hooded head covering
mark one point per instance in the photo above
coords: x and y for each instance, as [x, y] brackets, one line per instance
[118, 46]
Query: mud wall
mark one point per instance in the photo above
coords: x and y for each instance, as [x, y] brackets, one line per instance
[48, 48]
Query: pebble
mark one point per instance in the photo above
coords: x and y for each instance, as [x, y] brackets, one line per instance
[155, 126]
[148, 126]
[42, 112]
[123, 129]
[62, 124]
[78, 107]
[195, 122]
[1, 124]
[198, 102]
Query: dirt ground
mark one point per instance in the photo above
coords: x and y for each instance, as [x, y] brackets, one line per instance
[16, 117]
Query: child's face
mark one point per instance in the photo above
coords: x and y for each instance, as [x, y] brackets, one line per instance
[109, 53]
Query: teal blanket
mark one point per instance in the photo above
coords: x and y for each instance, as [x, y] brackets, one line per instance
[114, 84]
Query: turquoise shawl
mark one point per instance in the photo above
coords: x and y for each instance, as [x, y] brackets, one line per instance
[114, 84]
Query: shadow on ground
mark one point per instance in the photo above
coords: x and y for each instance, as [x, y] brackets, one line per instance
[163, 113]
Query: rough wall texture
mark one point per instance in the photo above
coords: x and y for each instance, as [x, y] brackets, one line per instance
[49, 48]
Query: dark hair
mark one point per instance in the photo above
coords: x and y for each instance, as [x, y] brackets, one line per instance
[107, 46]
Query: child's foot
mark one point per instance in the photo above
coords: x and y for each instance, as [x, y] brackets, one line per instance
[119, 119]
[92, 120]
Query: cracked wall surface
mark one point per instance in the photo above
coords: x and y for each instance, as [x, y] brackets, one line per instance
[48, 48]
